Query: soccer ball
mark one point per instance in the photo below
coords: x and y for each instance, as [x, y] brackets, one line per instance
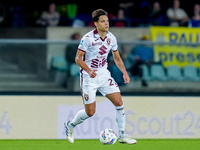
[108, 137]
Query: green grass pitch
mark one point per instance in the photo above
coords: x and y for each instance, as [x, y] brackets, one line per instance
[142, 144]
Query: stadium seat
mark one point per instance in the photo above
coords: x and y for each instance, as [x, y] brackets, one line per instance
[158, 72]
[190, 73]
[59, 63]
[198, 72]
[145, 73]
[60, 68]
[74, 70]
[174, 73]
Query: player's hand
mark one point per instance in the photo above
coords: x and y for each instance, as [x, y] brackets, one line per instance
[93, 73]
[126, 78]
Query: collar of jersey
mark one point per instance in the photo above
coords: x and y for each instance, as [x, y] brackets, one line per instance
[96, 34]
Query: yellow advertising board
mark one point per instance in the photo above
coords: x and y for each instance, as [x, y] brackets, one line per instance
[183, 48]
[43, 117]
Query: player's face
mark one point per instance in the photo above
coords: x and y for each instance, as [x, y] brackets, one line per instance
[103, 23]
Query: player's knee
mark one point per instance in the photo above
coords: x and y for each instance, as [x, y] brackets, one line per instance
[90, 109]
[119, 103]
[91, 113]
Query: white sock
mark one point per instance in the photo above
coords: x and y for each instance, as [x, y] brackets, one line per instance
[79, 118]
[120, 118]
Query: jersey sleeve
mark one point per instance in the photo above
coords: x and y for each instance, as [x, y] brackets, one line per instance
[84, 44]
[114, 44]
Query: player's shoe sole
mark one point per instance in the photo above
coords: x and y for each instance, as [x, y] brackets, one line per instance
[69, 132]
[127, 140]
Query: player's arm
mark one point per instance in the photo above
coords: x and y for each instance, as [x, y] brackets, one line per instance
[120, 65]
[83, 65]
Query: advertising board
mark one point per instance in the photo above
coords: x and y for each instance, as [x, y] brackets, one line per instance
[182, 48]
[43, 117]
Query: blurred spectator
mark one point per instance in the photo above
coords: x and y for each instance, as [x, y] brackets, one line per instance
[50, 17]
[2, 13]
[127, 7]
[140, 55]
[155, 10]
[120, 19]
[71, 49]
[195, 20]
[196, 12]
[78, 23]
[176, 15]
[155, 14]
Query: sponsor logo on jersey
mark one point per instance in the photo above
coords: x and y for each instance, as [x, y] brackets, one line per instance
[102, 50]
[96, 44]
[82, 42]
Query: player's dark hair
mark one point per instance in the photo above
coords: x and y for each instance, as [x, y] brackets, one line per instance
[97, 13]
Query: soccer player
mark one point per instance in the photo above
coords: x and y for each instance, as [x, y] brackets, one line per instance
[92, 58]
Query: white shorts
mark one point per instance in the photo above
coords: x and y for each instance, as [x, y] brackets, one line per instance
[103, 82]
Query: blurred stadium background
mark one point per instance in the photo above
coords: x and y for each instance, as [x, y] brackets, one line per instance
[162, 99]
[33, 58]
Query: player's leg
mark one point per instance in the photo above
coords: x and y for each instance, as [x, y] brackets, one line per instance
[81, 116]
[116, 99]
[110, 89]
[90, 109]
[88, 95]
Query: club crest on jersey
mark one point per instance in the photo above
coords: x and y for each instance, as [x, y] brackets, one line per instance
[86, 97]
[108, 41]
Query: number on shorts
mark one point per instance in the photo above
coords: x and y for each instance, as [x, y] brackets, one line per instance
[111, 82]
